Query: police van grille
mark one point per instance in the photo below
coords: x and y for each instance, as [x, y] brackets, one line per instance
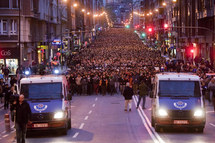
[41, 117]
[180, 114]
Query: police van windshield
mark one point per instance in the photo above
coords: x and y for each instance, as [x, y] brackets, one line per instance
[179, 88]
[42, 90]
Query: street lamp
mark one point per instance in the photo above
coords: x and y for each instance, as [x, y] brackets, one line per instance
[83, 10]
[75, 5]
[164, 4]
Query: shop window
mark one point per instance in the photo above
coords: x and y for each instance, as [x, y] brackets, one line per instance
[12, 64]
[4, 3]
[13, 27]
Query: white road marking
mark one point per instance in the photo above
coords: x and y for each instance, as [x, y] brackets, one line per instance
[160, 140]
[75, 135]
[146, 126]
[81, 126]
[86, 118]
[90, 112]
[96, 99]
[13, 126]
[5, 136]
[13, 131]
[3, 132]
[94, 105]
[212, 124]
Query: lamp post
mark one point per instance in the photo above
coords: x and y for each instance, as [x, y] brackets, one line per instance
[19, 37]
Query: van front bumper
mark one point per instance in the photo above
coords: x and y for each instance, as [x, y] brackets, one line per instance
[195, 123]
[50, 125]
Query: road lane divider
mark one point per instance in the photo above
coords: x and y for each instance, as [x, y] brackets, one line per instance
[212, 124]
[146, 126]
[94, 105]
[86, 117]
[90, 112]
[96, 99]
[81, 126]
[75, 135]
[148, 123]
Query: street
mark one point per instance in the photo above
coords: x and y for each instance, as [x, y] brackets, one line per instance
[97, 119]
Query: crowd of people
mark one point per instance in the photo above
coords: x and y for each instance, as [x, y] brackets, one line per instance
[115, 58]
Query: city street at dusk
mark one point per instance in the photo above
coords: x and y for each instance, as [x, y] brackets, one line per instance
[107, 71]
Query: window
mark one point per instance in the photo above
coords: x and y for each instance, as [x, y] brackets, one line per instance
[3, 27]
[179, 88]
[15, 3]
[4, 3]
[13, 27]
[42, 90]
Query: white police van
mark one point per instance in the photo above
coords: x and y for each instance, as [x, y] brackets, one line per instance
[49, 101]
[177, 101]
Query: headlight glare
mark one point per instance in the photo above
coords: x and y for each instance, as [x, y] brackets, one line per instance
[198, 113]
[162, 113]
[58, 115]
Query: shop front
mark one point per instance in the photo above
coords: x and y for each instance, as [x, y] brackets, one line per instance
[9, 57]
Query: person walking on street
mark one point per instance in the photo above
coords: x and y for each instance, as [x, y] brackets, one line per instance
[211, 87]
[6, 96]
[22, 118]
[128, 93]
[143, 91]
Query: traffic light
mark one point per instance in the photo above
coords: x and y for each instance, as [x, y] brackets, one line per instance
[191, 51]
[127, 26]
[166, 26]
[150, 29]
[143, 35]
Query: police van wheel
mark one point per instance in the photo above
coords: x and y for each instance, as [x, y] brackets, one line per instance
[64, 131]
[152, 122]
[157, 128]
[69, 123]
[200, 130]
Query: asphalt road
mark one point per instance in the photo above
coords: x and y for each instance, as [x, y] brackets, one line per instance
[102, 119]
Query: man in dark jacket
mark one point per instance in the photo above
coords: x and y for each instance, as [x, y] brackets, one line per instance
[143, 91]
[6, 96]
[23, 114]
[128, 93]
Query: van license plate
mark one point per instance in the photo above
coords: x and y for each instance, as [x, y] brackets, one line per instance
[41, 125]
[181, 122]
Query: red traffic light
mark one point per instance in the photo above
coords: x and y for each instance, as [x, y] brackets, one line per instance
[166, 26]
[192, 50]
[150, 30]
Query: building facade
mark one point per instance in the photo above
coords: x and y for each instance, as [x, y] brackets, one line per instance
[44, 26]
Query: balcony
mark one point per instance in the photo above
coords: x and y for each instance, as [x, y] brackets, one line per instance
[8, 37]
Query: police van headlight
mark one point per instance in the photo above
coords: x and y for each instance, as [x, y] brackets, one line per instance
[199, 113]
[162, 112]
[58, 115]
[27, 72]
[56, 71]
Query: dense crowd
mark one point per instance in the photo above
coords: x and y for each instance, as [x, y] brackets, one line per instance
[116, 57]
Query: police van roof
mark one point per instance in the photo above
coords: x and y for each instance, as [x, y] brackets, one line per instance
[43, 79]
[177, 76]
